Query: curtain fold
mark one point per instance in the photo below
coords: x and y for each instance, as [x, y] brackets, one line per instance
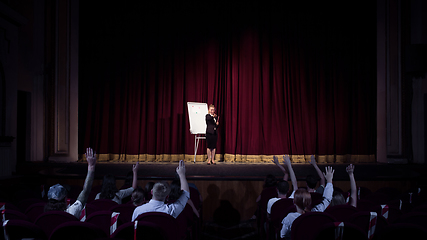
[283, 82]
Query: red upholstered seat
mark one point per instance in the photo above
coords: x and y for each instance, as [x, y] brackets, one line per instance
[78, 231]
[145, 230]
[341, 212]
[306, 226]
[48, 221]
[166, 222]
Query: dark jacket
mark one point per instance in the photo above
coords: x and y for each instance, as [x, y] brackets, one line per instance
[211, 124]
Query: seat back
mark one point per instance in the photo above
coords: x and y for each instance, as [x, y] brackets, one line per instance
[166, 222]
[34, 211]
[306, 226]
[403, 231]
[103, 220]
[13, 214]
[26, 203]
[48, 221]
[280, 209]
[145, 230]
[19, 229]
[416, 218]
[125, 210]
[104, 204]
[362, 220]
[341, 212]
[78, 231]
[349, 232]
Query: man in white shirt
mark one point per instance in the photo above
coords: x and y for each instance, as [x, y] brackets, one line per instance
[160, 191]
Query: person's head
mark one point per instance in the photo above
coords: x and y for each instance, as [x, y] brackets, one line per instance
[57, 198]
[282, 187]
[148, 188]
[337, 199]
[175, 190]
[160, 191]
[270, 181]
[128, 179]
[109, 188]
[211, 109]
[302, 200]
[311, 181]
[138, 196]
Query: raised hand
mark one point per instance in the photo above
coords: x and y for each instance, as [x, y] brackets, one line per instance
[329, 174]
[350, 169]
[180, 170]
[275, 160]
[135, 167]
[286, 160]
[90, 157]
[312, 160]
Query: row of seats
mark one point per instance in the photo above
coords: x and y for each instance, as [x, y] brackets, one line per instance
[58, 225]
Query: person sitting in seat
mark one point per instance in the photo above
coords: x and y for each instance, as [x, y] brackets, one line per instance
[302, 201]
[338, 198]
[138, 197]
[57, 194]
[282, 187]
[160, 191]
[311, 181]
[109, 189]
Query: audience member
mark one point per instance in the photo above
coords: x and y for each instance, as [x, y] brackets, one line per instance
[138, 196]
[338, 198]
[282, 187]
[176, 192]
[57, 194]
[148, 188]
[109, 188]
[302, 201]
[311, 181]
[160, 191]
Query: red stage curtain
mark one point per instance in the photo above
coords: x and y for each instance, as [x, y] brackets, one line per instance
[283, 82]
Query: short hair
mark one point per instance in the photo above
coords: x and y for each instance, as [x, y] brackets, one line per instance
[337, 199]
[161, 191]
[283, 187]
[302, 199]
[138, 196]
[211, 106]
[311, 181]
[270, 181]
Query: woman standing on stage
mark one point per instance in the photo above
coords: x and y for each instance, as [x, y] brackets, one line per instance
[212, 122]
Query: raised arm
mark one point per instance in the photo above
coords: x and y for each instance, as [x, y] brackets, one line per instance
[91, 160]
[353, 191]
[180, 170]
[288, 164]
[322, 177]
[285, 173]
[135, 175]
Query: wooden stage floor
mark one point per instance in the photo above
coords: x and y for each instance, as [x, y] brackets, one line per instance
[226, 171]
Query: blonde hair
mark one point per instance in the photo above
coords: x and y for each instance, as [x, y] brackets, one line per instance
[161, 191]
[211, 106]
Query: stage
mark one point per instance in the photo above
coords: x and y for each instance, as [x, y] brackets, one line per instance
[225, 171]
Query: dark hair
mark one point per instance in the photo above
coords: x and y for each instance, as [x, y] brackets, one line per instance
[109, 188]
[138, 196]
[282, 186]
[270, 181]
[175, 190]
[55, 205]
[311, 181]
[128, 179]
[302, 199]
[148, 188]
